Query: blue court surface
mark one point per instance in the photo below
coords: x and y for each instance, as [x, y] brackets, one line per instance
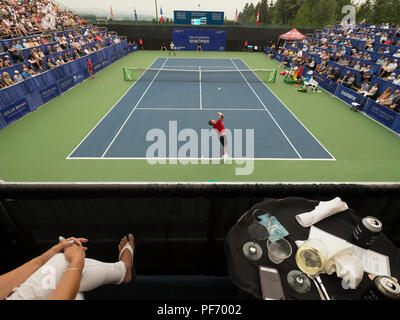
[173, 101]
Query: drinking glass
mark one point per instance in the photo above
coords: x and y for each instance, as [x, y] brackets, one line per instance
[310, 258]
[278, 250]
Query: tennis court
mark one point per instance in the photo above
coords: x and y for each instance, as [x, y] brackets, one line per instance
[185, 93]
[67, 139]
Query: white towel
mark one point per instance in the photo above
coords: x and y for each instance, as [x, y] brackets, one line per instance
[341, 260]
[324, 210]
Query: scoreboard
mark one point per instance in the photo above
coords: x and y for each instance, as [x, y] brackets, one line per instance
[199, 18]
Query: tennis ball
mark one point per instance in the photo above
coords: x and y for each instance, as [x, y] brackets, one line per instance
[219, 89]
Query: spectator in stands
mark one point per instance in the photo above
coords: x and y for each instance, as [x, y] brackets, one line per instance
[321, 68]
[17, 45]
[2, 83]
[389, 101]
[25, 73]
[396, 104]
[17, 77]
[58, 48]
[16, 54]
[357, 66]
[397, 81]
[50, 64]
[86, 50]
[389, 68]
[25, 44]
[7, 61]
[75, 54]
[390, 77]
[385, 95]
[7, 79]
[49, 50]
[310, 64]
[31, 70]
[397, 54]
[368, 73]
[350, 81]
[74, 273]
[344, 78]
[334, 76]
[364, 87]
[63, 43]
[67, 57]
[371, 93]
[54, 62]
[59, 61]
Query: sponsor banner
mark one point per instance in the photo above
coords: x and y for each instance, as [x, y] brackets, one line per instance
[66, 83]
[380, 113]
[114, 57]
[50, 92]
[79, 76]
[347, 95]
[396, 124]
[188, 39]
[15, 111]
[96, 67]
[325, 83]
[104, 63]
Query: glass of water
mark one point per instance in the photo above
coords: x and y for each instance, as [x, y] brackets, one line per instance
[278, 251]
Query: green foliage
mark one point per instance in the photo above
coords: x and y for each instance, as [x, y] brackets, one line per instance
[319, 13]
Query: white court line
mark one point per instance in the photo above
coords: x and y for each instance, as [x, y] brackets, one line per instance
[200, 159]
[141, 98]
[290, 112]
[197, 109]
[205, 66]
[98, 123]
[201, 99]
[266, 109]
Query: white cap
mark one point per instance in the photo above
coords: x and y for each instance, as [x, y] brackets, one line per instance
[16, 71]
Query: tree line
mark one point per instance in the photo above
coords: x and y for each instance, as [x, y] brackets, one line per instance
[319, 13]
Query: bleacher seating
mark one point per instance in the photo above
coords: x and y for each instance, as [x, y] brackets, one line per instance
[352, 48]
[66, 44]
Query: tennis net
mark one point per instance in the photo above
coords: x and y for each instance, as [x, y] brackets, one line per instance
[198, 75]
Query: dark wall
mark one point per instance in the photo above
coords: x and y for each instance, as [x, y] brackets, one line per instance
[154, 35]
[179, 229]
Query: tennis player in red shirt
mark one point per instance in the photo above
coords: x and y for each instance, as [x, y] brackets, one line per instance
[219, 127]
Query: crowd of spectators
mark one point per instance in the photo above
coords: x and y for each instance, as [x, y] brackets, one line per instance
[20, 18]
[375, 53]
[37, 61]
[41, 36]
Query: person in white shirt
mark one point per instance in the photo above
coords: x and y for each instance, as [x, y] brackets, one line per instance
[397, 54]
[390, 78]
[389, 68]
[17, 77]
[25, 44]
[397, 80]
[171, 48]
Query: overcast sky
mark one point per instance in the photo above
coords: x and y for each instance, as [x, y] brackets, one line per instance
[147, 7]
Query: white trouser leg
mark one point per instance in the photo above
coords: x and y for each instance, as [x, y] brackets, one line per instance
[42, 283]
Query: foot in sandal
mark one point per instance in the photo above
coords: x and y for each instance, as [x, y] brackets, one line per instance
[126, 248]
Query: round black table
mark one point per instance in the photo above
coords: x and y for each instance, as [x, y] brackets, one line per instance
[244, 272]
